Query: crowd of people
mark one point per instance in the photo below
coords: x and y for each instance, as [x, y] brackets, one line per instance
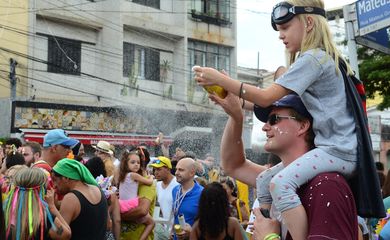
[52, 192]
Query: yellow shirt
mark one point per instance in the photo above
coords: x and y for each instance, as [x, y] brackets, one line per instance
[243, 193]
[133, 230]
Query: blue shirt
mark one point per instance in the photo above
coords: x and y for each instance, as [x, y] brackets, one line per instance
[189, 204]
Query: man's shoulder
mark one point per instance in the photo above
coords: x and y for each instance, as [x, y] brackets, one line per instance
[147, 191]
[325, 183]
[198, 187]
[42, 164]
[329, 204]
[326, 180]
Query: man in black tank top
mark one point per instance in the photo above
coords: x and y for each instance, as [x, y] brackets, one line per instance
[84, 206]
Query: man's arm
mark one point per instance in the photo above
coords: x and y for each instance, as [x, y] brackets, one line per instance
[116, 216]
[233, 160]
[141, 210]
[70, 207]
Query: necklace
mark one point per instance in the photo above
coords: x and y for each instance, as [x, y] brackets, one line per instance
[179, 199]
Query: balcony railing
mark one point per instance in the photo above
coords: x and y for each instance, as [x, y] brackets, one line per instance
[210, 17]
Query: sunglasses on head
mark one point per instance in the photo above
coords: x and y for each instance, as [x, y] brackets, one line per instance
[283, 12]
[274, 118]
[157, 161]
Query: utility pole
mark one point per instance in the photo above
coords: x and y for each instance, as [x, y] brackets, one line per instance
[349, 13]
[12, 78]
[258, 63]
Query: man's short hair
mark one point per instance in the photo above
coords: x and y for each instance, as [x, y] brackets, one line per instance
[35, 147]
[309, 138]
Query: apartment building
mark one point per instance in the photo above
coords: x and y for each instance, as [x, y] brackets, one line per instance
[133, 57]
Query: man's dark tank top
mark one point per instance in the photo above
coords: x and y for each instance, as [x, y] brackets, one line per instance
[91, 223]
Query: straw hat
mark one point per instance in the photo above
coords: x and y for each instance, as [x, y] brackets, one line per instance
[103, 146]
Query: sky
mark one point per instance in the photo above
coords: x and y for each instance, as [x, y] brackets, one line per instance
[255, 34]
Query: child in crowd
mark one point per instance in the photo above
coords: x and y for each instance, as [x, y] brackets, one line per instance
[130, 175]
[315, 76]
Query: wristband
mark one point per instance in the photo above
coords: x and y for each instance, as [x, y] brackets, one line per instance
[272, 236]
[242, 90]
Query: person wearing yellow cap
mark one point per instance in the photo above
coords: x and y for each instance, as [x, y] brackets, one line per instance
[84, 204]
[166, 182]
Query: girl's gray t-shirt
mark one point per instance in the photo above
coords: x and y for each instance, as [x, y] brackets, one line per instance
[313, 76]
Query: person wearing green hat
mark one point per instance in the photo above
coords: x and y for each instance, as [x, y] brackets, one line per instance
[83, 203]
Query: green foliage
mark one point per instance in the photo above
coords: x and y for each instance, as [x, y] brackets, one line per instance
[165, 67]
[374, 70]
[132, 83]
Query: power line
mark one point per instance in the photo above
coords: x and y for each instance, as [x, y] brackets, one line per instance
[96, 77]
[157, 11]
[174, 68]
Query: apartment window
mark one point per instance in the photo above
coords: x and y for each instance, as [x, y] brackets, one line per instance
[140, 61]
[149, 3]
[211, 11]
[64, 56]
[208, 55]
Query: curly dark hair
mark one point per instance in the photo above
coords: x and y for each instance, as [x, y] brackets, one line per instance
[96, 166]
[213, 211]
[14, 159]
[231, 185]
[124, 166]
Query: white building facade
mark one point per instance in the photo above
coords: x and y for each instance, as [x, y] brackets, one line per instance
[130, 54]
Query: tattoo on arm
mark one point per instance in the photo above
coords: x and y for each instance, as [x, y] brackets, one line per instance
[60, 230]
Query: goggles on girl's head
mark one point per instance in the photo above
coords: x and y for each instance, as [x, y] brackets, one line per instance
[284, 12]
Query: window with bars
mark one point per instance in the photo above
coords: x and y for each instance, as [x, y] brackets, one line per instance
[212, 11]
[208, 55]
[149, 3]
[64, 56]
[140, 61]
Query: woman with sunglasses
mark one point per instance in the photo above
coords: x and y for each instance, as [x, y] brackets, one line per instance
[315, 76]
[132, 173]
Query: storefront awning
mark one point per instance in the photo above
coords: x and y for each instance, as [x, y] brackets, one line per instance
[190, 132]
[91, 138]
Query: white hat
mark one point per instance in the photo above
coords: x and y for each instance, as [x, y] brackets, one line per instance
[104, 146]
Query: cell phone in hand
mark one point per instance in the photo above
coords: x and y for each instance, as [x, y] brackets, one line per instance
[265, 212]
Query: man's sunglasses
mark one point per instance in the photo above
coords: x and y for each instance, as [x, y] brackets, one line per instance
[274, 118]
[283, 12]
[158, 161]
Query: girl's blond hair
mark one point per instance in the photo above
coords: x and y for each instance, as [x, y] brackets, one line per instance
[320, 36]
[25, 209]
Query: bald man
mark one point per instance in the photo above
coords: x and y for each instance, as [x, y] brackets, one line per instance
[186, 195]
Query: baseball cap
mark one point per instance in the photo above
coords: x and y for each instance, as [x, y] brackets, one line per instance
[58, 137]
[289, 101]
[161, 162]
